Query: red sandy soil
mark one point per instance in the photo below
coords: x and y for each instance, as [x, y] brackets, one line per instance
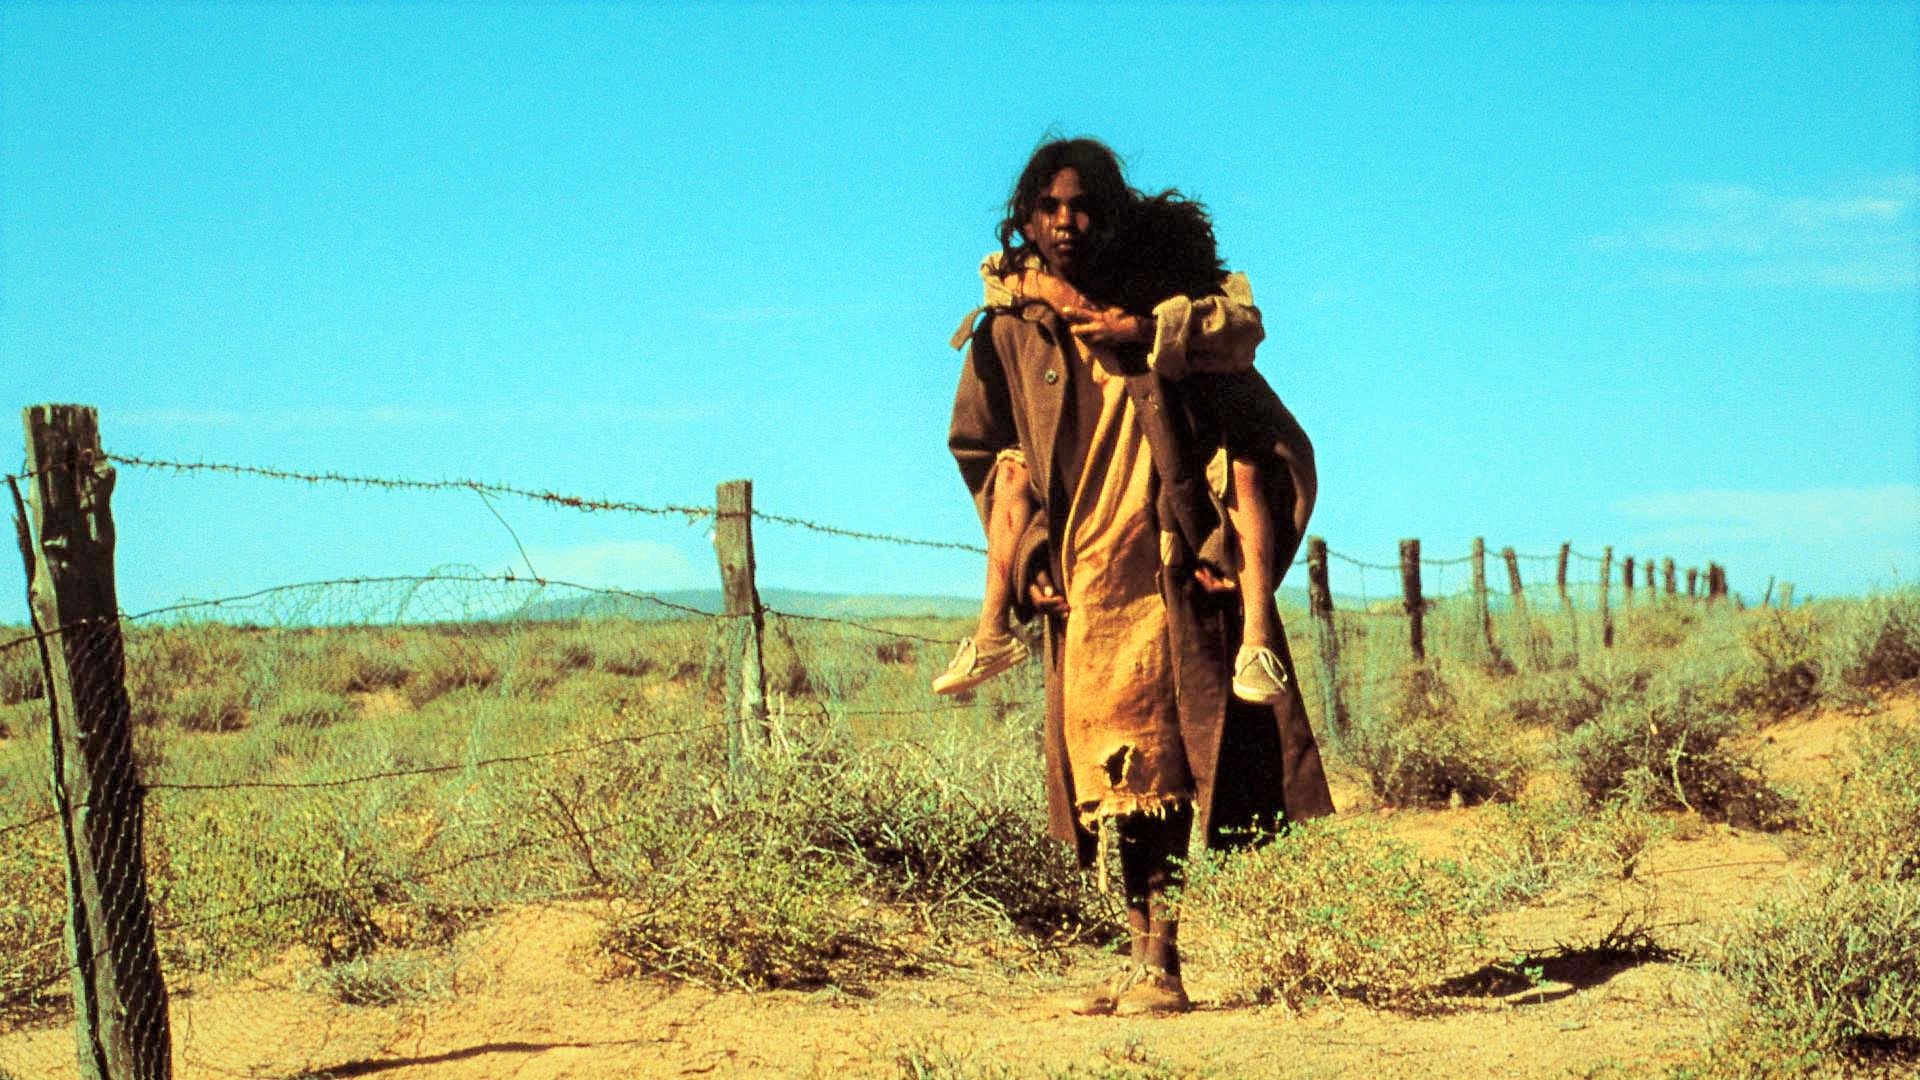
[529, 1000]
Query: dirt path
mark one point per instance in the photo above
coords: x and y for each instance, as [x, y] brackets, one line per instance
[526, 1003]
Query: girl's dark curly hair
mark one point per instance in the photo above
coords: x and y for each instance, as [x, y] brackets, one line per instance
[1142, 248]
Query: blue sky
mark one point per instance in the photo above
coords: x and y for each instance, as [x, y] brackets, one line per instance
[1610, 273]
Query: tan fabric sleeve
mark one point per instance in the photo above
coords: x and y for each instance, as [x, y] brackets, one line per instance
[995, 290]
[1214, 334]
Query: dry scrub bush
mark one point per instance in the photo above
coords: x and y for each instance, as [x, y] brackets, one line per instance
[21, 675]
[33, 881]
[1426, 747]
[1874, 642]
[1867, 824]
[789, 878]
[1672, 748]
[1833, 965]
[1781, 673]
[1524, 850]
[1327, 908]
[1831, 970]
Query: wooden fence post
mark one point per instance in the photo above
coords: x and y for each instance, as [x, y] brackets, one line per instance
[1480, 591]
[733, 543]
[1410, 592]
[1566, 598]
[1626, 575]
[1560, 574]
[1649, 578]
[1326, 637]
[1666, 575]
[121, 1020]
[1606, 597]
[1786, 595]
[1693, 580]
[1513, 580]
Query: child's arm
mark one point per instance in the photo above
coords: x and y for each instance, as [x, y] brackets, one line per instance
[1211, 334]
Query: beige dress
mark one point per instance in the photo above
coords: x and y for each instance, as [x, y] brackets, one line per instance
[1122, 721]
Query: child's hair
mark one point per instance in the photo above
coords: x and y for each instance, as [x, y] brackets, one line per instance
[1162, 246]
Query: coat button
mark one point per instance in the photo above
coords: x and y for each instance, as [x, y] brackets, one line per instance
[1052, 376]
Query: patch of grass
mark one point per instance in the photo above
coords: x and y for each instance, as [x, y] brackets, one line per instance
[311, 709]
[21, 676]
[1425, 747]
[449, 671]
[1327, 908]
[382, 979]
[220, 706]
[1524, 850]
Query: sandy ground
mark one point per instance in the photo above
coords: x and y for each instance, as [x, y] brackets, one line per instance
[528, 1002]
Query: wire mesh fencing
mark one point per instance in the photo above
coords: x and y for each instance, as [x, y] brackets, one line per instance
[344, 787]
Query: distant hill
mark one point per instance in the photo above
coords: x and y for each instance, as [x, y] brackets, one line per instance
[791, 601]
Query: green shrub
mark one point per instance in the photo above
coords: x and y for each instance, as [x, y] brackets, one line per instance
[1868, 822]
[1562, 700]
[1424, 747]
[1781, 672]
[1831, 965]
[1327, 908]
[1875, 642]
[1672, 749]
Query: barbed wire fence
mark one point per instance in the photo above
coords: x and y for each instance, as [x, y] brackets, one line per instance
[507, 732]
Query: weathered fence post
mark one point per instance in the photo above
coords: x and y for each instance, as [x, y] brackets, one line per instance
[1480, 591]
[1650, 594]
[1606, 597]
[1326, 638]
[1666, 575]
[1786, 595]
[733, 543]
[1566, 598]
[1716, 582]
[121, 1022]
[1410, 590]
[1693, 580]
[1626, 575]
[1560, 574]
[1513, 580]
[1767, 597]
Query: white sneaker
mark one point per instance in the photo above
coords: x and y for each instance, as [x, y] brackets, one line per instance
[1258, 676]
[971, 666]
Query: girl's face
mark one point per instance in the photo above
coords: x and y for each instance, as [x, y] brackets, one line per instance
[1060, 222]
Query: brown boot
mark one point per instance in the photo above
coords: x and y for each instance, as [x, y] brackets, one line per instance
[1102, 997]
[1153, 993]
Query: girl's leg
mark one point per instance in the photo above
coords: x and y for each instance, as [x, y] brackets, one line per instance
[1151, 852]
[993, 648]
[1253, 526]
[1007, 519]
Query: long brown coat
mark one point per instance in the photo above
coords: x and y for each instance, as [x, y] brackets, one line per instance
[1254, 767]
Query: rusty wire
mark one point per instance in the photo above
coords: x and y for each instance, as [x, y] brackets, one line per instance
[576, 502]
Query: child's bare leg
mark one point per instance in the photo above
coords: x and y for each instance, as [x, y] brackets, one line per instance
[1007, 519]
[1253, 525]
